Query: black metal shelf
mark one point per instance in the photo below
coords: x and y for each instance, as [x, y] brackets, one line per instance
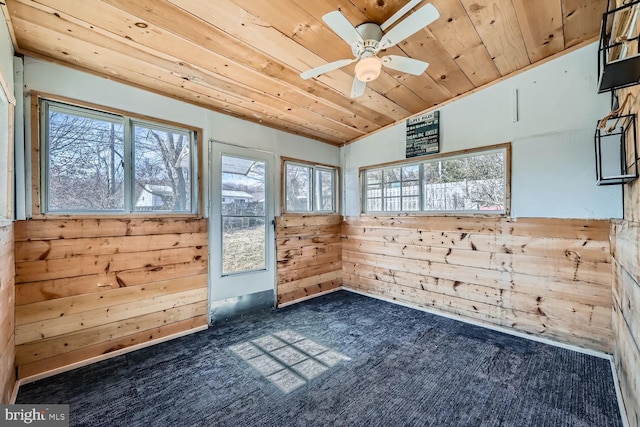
[624, 71]
[613, 140]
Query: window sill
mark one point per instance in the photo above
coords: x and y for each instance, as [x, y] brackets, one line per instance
[103, 215]
[438, 214]
[309, 213]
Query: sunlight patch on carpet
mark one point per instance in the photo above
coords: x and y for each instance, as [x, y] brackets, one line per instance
[288, 359]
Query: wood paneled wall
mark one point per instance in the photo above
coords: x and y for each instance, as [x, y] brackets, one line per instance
[625, 241]
[309, 255]
[88, 287]
[548, 277]
[7, 303]
[625, 236]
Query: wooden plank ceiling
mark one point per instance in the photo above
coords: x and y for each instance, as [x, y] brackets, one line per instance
[244, 57]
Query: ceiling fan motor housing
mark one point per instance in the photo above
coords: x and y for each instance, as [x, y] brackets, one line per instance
[371, 34]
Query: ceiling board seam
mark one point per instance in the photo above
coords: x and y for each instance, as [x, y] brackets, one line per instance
[9, 24]
[283, 83]
[563, 11]
[520, 20]
[475, 28]
[379, 98]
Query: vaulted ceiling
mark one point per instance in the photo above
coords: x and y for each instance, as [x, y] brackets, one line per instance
[244, 57]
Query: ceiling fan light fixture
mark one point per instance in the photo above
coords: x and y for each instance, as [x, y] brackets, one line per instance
[368, 69]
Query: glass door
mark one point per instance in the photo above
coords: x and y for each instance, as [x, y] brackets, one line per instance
[242, 209]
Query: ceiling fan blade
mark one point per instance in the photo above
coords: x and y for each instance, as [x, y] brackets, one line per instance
[404, 64]
[357, 89]
[342, 27]
[409, 26]
[315, 72]
[399, 14]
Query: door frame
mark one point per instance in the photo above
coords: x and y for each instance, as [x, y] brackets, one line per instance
[238, 300]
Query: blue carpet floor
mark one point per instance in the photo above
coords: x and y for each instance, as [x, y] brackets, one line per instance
[340, 359]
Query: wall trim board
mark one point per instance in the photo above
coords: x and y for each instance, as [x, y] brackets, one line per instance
[7, 309]
[508, 331]
[308, 297]
[14, 393]
[616, 383]
[80, 364]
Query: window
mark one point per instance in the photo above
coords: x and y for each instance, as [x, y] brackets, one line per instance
[474, 181]
[99, 162]
[309, 187]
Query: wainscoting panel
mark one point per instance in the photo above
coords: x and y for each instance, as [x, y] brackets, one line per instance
[309, 253]
[89, 287]
[7, 310]
[548, 277]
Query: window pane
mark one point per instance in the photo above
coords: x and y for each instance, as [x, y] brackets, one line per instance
[468, 182]
[410, 204]
[324, 190]
[85, 162]
[410, 172]
[410, 196]
[487, 187]
[243, 186]
[243, 214]
[374, 190]
[298, 184]
[94, 161]
[243, 244]
[392, 204]
[374, 176]
[162, 164]
[392, 175]
[374, 205]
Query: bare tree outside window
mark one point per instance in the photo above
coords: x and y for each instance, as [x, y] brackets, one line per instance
[298, 186]
[90, 165]
[324, 190]
[85, 163]
[468, 183]
[162, 177]
[309, 187]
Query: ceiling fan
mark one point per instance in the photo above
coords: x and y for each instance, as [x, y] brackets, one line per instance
[367, 39]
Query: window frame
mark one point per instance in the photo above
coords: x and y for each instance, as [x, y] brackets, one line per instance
[315, 167]
[427, 159]
[39, 158]
[7, 147]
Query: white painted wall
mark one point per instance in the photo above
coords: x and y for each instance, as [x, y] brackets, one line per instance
[55, 79]
[6, 53]
[553, 162]
[6, 99]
